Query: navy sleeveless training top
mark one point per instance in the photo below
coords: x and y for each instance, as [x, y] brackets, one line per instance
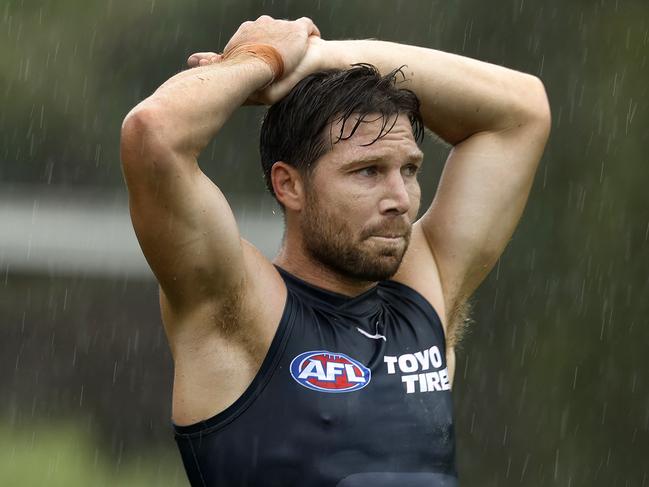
[353, 392]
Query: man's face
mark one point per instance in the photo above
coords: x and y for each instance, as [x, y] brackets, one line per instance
[361, 201]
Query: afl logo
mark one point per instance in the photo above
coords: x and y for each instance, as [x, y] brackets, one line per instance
[329, 372]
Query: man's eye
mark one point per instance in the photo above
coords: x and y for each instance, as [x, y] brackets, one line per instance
[411, 169]
[367, 171]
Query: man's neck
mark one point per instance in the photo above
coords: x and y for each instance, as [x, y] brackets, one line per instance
[298, 263]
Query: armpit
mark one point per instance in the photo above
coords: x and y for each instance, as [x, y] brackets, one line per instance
[459, 320]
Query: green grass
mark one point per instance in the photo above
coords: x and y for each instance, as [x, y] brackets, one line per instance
[63, 456]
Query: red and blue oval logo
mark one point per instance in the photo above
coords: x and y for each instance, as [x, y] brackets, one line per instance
[329, 372]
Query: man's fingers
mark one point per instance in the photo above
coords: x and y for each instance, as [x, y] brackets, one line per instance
[210, 60]
[196, 58]
[312, 29]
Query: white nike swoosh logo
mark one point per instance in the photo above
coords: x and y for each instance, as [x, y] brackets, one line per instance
[376, 337]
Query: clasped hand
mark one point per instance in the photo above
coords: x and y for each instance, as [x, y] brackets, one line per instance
[298, 42]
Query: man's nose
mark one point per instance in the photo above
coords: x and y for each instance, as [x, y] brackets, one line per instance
[396, 198]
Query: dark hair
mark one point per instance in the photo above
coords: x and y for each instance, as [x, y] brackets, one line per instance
[293, 129]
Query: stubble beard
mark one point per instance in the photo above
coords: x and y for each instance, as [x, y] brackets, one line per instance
[331, 241]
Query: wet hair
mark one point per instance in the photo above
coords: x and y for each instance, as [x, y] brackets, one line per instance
[294, 129]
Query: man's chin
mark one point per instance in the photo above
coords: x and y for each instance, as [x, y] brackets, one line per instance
[381, 266]
[372, 267]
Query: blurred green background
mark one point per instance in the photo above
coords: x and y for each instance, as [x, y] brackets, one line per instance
[552, 382]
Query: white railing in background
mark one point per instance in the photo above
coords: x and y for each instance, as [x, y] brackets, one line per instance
[59, 231]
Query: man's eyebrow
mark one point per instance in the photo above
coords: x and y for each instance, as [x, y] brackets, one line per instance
[412, 157]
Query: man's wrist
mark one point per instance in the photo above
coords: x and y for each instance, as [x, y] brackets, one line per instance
[264, 52]
[262, 73]
[337, 55]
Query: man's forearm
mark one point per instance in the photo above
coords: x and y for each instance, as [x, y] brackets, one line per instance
[187, 111]
[459, 96]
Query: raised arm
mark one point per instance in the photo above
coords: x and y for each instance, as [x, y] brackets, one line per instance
[498, 121]
[184, 225]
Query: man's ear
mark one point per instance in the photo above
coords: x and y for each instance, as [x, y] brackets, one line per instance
[288, 185]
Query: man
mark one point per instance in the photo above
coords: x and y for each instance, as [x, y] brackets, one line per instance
[333, 364]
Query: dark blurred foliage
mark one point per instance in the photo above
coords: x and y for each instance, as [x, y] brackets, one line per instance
[552, 384]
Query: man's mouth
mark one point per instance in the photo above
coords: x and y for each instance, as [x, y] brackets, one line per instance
[393, 237]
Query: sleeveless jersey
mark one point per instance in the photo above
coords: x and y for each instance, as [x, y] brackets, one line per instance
[352, 392]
